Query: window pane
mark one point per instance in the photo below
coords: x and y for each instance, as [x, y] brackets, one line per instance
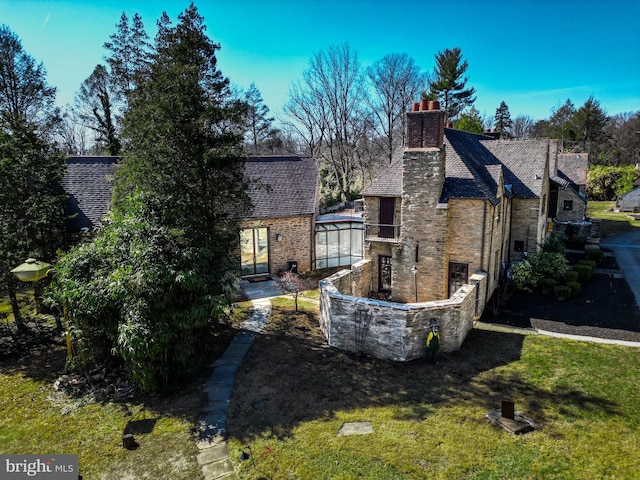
[333, 244]
[345, 242]
[357, 240]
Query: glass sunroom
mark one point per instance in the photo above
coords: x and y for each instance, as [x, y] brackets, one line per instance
[338, 244]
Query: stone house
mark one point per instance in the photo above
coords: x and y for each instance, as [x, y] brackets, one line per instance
[278, 232]
[441, 225]
[568, 196]
[455, 203]
[630, 201]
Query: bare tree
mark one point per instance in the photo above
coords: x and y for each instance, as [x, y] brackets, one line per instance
[327, 108]
[96, 107]
[73, 137]
[522, 127]
[396, 82]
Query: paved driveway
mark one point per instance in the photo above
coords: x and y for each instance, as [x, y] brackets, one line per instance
[626, 248]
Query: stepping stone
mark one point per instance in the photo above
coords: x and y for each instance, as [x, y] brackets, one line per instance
[213, 454]
[355, 428]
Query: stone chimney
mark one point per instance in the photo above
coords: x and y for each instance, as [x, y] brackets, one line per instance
[425, 125]
[419, 265]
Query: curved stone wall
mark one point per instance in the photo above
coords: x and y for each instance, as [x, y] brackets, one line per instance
[388, 330]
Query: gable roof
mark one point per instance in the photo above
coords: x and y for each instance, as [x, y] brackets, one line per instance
[573, 167]
[88, 182]
[282, 186]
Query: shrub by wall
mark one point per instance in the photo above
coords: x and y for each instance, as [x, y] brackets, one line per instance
[585, 272]
[575, 287]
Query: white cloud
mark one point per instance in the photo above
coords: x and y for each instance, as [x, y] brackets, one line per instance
[46, 20]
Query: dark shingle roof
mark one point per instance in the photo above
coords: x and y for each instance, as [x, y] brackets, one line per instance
[472, 170]
[388, 183]
[475, 165]
[524, 164]
[573, 167]
[88, 182]
[282, 186]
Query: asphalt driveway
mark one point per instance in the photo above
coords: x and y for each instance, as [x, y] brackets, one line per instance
[626, 248]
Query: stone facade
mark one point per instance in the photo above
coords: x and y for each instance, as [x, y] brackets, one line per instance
[567, 197]
[390, 330]
[296, 241]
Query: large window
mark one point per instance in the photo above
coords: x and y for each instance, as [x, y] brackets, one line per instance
[339, 244]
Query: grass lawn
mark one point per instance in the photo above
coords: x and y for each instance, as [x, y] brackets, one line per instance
[35, 419]
[613, 223]
[294, 393]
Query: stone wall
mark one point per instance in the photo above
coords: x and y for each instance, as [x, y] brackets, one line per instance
[524, 218]
[388, 330]
[297, 241]
[579, 210]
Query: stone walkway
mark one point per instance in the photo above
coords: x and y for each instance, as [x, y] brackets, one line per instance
[212, 424]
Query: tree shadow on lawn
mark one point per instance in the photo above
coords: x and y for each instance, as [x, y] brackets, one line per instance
[291, 376]
[42, 358]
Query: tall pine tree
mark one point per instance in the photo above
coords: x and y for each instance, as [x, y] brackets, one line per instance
[449, 83]
[502, 122]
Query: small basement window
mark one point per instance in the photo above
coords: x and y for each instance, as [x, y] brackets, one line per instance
[518, 246]
[568, 205]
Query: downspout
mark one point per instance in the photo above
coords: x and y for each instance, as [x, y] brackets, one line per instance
[484, 226]
[486, 292]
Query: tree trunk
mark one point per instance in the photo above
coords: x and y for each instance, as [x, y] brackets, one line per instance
[11, 287]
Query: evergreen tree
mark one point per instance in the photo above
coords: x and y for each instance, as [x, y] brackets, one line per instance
[25, 96]
[470, 121]
[258, 123]
[152, 286]
[449, 83]
[30, 221]
[589, 122]
[128, 53]
[30, 166]
[560, 125]
[503, 121]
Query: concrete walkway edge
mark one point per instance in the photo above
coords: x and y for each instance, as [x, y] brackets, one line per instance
[212, 424]
[531, 331]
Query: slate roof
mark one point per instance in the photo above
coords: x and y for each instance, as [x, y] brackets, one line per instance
[475, 166]
[282, 186]
[88, 182]
[472, 170]
[388, 183]
[573, 167]
[524, 163]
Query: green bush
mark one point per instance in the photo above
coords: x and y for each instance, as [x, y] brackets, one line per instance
[548, 284]
[548, 265]
[596, 256]
[585, 272]
[553, 244]
[562, 292]
[575, 287]
[591, 263]
[571, 276]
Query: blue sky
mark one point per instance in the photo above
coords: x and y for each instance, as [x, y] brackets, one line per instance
[531, 54]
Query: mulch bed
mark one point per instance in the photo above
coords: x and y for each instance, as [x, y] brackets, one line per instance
[605, 308]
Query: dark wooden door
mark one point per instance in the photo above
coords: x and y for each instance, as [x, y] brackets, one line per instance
[387, 217]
